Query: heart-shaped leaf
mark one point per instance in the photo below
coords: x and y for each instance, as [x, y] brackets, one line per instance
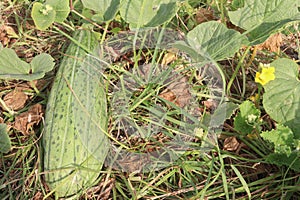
[11, 64]
[61, 7]
[147, 13]
[105, 9]
[262, 18]
[282, 138]
[281, 99]
[43, 15]
[246, 119]
[5, 144]
[40, 65]
[214, 40]
[12, 67]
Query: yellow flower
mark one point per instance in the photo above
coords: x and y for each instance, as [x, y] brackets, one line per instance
[266, 75]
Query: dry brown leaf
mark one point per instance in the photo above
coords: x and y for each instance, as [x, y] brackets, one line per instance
[231, 144]
[15, 99]
[39, 84]
[204, 15]
[210, 104]
[168, 58]
[272, 44]
[6, 33]
[177, 92]
[168, 95]
[25, 121]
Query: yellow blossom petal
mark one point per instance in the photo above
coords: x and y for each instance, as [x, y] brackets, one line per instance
[266, 75]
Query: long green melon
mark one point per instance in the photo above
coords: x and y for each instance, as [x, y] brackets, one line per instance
[74, 141]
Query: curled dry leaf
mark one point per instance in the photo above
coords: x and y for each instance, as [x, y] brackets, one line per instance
[272, 44]
[169, 57]
[39, 84]
[210, 104]
[177, 92]
[6, 33]
[25, 121]
[15, 99]
[231, 144]
[204, 15]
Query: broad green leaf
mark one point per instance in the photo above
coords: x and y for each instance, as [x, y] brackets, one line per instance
[11, 64]
[5, 144]
[214, 40]
[12, 67]
[105, 9]
[147, 13]
[281, 99]
[183, 46]
[292, 161]
[262, 18]
[223, 112]
[41, 64]
[282, 138]
[42, 15]
[237, 4]
[61, 7]
[247, 118]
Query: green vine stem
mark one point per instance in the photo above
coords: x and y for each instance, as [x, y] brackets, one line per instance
[240, 63]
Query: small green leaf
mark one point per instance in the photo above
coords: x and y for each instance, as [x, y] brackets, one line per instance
[262, 18]
[282, 138]
[246, 120]
[61, 7]
[214, 40]
[223, 112]
[237, 4]
[40, 65]
[281, 99]
[12, 67]
[292, 161]
[43, 15]
[148, 13]
[5, 144]
[105, 9]
[165, 12]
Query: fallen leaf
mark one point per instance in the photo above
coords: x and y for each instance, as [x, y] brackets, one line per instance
[25, 121]
[204, 15]
[39, 84]
[168, 58]
[210, 104]
[231, 144]
[15, 99]
[6, 33]
[272, 44]
[168, 95]
[177, 92]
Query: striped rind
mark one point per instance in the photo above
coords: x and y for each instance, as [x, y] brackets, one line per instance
[74, 141]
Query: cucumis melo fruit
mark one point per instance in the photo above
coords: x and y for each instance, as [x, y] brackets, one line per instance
[74, 140]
